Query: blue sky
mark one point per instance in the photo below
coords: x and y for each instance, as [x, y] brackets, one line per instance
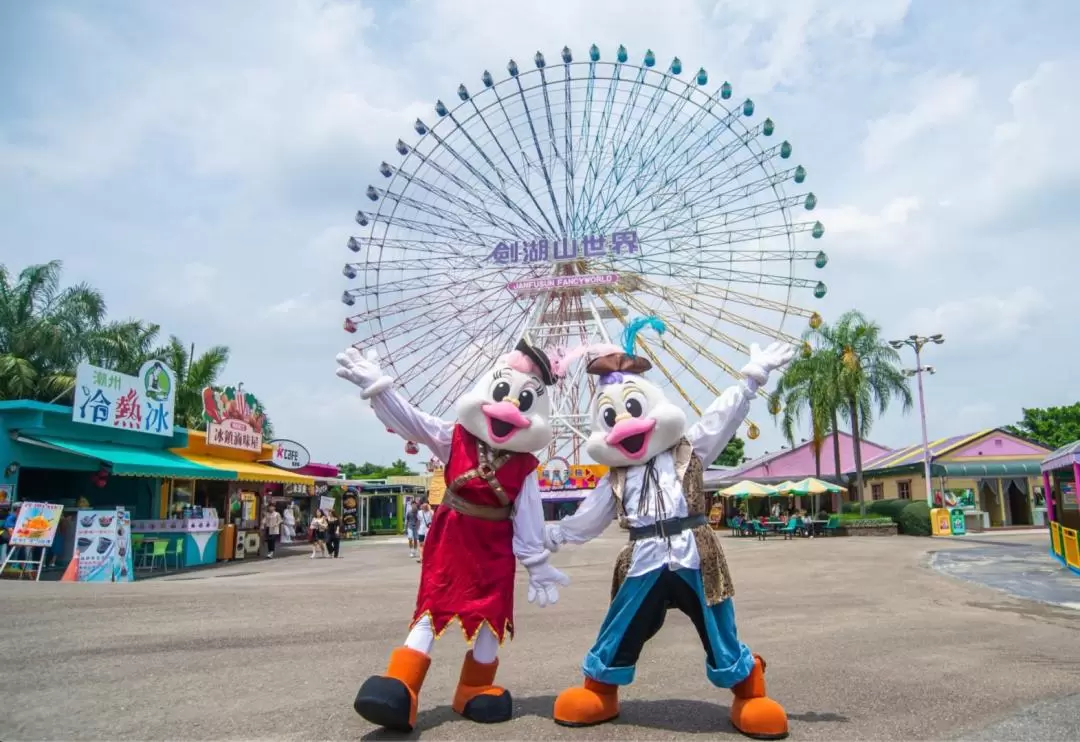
[200, 163]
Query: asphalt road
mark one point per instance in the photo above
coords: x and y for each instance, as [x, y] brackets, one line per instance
[864, 641]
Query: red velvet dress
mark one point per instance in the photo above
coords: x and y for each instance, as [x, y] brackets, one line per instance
[469, 563]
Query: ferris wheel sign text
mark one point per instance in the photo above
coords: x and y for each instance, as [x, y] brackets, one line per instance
[542, 250]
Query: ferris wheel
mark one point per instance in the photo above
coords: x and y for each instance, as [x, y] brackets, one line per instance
[560, 202]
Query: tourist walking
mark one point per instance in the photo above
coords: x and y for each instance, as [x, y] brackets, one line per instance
[272, 525]
[318, 534]
[333, 534]
[424, 523]
[412, 526]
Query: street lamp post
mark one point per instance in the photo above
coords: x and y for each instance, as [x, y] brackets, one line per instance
[917, 342]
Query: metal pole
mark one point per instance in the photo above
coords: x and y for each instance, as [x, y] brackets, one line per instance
[925, 440]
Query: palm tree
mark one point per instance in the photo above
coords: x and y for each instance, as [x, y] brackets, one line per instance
[193, 374]
[868, 378]
[45, 331]
[809, 383]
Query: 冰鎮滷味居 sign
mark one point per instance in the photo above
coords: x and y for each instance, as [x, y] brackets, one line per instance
[110, 399]
[543, 250]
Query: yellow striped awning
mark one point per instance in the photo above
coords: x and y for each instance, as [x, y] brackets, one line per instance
[247, 471]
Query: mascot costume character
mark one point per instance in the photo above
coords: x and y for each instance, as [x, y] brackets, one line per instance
[655, 487]
[490, 515]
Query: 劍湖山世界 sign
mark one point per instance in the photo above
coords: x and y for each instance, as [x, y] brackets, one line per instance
[563, 283]
[289, 454]
[543, 250]
[110, 399]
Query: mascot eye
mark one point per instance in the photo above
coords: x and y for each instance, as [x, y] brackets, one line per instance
[500, 390]
[634, 405]
[525, 400]
[607, 414]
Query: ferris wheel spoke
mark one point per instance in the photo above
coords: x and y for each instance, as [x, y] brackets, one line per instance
[589, 182]
[540, 152]
[731, 317]
[717, 273]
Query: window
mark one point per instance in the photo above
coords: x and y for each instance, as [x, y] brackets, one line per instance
[903, 489]
[877, 491]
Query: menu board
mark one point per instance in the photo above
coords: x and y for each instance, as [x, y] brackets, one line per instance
[36, 524]
[103, 542]
[349, 516]
[1068, 496]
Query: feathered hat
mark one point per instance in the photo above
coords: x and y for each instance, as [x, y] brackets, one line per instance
[607, 360]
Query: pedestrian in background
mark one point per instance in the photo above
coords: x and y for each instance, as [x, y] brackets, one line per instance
[412, 526]
[333, 534]
[272, 525]
[318, 534]
[424, 523]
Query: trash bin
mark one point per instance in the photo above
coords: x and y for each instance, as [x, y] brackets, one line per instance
[958, 527]
[940, 523]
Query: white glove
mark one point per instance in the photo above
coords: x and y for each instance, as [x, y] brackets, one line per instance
[544, 580]
[553, 537]
[364, 372]
[764, 362]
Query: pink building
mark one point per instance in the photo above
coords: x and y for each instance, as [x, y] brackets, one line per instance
[796, 463]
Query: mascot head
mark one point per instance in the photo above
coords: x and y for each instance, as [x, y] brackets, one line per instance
[509, 407]
[632, 419]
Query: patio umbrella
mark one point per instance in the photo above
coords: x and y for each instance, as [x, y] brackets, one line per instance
[815, 487]
[748, 488]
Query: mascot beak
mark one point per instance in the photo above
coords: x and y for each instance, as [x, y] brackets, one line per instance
[631, 436]
[504, 419]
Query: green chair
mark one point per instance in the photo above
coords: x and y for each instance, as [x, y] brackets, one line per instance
[833, 526]
[789, 530]
[177, 554]
[759, 530]
[159, 550]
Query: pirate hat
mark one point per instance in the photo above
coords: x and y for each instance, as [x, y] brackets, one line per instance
[540, 358]
[612, 362]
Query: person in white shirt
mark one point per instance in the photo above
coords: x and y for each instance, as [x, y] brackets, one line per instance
[673, 558]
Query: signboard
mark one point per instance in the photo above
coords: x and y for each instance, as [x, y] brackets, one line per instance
[289, 454]
[562, 283]
[7, 494]
[36, 524]
[350, 503]
[103, 542]
[326, 504]
[1068, 496]
[957, 498]
[543, 250]
[437, 486]
[559, 474]
[110, 399]
[234, 418]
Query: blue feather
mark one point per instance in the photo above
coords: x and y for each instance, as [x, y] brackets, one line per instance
[636, 326]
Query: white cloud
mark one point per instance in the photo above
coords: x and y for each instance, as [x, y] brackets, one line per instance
[939, 101]
[984, 319]
[851, 219]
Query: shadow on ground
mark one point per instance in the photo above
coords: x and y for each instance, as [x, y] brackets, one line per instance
[669, 715]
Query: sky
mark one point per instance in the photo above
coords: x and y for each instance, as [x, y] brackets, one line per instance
[200, 163]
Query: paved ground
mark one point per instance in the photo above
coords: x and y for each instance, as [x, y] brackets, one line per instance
[864, 641]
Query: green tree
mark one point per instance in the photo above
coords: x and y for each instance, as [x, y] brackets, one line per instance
[810, 386]
[367, 470]
[45, 331]
[734, 453]
[869, 378]
[193, 374]
[1053, 427]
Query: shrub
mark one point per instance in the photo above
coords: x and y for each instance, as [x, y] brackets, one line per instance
[869, 522]
[849, 507]
[888, 508]
[914, 519]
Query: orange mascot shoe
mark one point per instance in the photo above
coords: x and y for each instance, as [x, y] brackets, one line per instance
[390, 700]
[584, 706]
[477, 698]
[755, 714]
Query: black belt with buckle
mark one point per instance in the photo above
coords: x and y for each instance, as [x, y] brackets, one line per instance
[669, 527]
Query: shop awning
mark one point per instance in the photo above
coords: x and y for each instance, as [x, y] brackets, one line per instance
[128, 460]
[247, 471]
[989, 469]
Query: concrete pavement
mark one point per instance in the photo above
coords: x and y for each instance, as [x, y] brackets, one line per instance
[864, 641]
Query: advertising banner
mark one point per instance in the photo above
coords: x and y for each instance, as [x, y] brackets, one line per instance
[109, 399]
[234, 418]
[326, 504]
[36, 525]
[103, 542]
[350, 502]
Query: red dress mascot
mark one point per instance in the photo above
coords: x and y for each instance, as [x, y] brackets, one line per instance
[491, 516]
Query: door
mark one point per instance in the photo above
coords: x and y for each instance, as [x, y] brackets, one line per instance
[988, 502]
[362, 527]
[1018, 507]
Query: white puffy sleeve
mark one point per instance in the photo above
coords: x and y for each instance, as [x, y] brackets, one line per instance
[719, 422]
[411, 424]
[593, 516]
[529, 520]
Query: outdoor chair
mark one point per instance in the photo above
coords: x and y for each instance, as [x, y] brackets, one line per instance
[790, 529]
[177, 554]
[157, 550]
[759, 530]
[833, 526]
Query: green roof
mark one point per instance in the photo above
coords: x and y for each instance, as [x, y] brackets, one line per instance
[989, 469]
[131, 461]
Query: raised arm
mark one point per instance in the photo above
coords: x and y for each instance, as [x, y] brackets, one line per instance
[391, 408]
[593, 516]
[722, 418]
